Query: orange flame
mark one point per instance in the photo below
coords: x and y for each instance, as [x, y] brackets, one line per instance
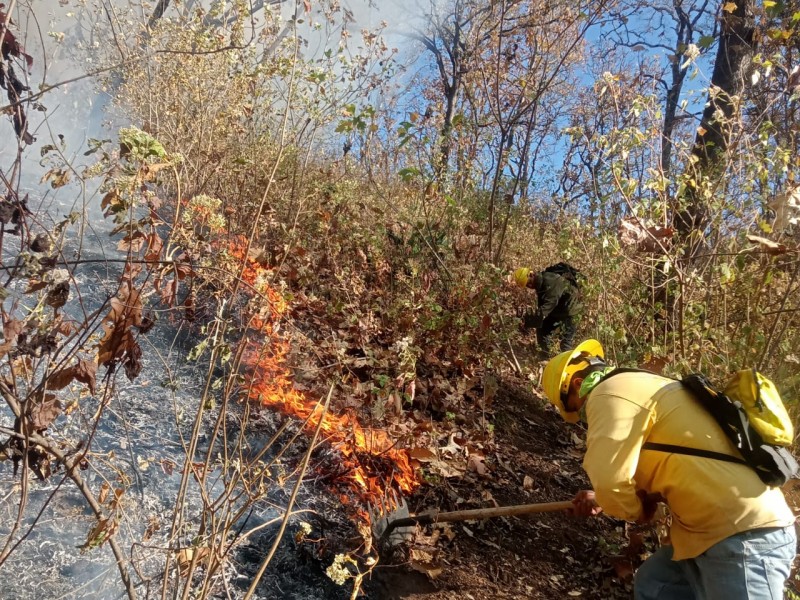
[374, 465]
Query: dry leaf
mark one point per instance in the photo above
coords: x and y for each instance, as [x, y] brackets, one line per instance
[643, 235]
[153, 525]
[132, 243]
[61, 378]
[104, 489]
[411, 390]
[111, 202]
[445, 469]
[486, 496]
[86, 373]
[57, 177]
[424, 562]
[768, 246]
[44, 412]
[58, 295]
[100, 534]
[118, 341]
[787, 209]
[34, 285]
[186, 555]
[476, 464]
[422, 454]
[154, 246]
[148, 172]
[116, 500]
[623, 568]
[447, 530]
[11, 329]
[395, 404]
[169, 292]
[66, 328]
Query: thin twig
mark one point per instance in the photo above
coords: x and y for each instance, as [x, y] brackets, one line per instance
[292, 498]
[72, 468]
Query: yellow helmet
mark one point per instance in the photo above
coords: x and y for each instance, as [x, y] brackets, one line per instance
[558, 372]
[521, 276]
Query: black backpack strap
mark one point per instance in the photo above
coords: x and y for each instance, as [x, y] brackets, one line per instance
[729, 414]
[692, 452]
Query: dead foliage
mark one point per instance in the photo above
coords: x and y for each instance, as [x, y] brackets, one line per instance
[9, 80]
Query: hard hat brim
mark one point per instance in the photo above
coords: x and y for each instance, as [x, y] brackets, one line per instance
[557, 370]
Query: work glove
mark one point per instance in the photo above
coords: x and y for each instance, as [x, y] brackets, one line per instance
[529, 318]
[584, 504]
[649, 505]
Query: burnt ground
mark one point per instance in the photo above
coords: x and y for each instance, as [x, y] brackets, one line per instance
[536, 458]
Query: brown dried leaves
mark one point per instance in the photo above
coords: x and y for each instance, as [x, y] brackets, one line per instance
[119, 341]
[43, 410]
[644, 236]
[85, 371]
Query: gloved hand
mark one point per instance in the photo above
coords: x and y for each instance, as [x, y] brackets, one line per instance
[585, 505]
[520, 313]
[529, 318]
[649, 505]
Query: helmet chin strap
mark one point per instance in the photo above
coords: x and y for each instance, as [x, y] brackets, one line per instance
[596, 361]
[589, 360]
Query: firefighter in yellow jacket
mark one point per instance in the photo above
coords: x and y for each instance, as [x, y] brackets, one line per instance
[732, 536]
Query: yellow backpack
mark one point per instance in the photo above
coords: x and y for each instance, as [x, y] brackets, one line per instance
[762, 403]
[752, 416]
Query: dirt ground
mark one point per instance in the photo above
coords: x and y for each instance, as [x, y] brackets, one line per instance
[550, 555]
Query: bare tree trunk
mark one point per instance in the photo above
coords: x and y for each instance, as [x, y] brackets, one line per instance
[449, 62]
[158, 12]
[685, 30]
[734, 56]
[674, 91]
[505, 138]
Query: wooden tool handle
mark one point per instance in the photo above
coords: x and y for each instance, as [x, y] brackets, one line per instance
[500, 511]
[477, 514]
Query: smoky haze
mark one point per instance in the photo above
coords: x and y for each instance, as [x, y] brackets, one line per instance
[62, 37]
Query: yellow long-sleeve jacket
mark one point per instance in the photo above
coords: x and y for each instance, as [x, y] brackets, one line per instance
[709, 499]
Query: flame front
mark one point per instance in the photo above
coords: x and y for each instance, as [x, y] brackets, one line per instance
[373, 465]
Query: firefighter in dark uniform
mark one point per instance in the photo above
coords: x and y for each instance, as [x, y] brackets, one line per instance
[558, 305]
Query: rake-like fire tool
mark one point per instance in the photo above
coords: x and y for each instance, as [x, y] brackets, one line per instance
[392, 524]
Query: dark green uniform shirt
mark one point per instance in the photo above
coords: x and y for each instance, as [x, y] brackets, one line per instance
[557, 297]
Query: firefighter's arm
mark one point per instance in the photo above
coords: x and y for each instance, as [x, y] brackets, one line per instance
[617, 428]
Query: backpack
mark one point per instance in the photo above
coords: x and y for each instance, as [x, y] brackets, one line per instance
[751, 414]
[567, 271]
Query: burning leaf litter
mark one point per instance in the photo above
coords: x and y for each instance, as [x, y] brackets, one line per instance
[374, 465]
